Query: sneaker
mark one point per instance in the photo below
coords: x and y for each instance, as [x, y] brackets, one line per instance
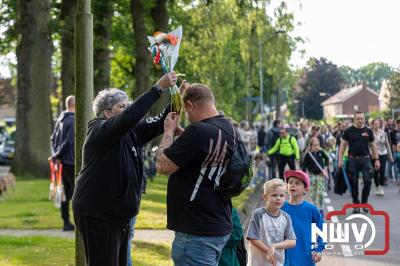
[382, 192]
[356, 210]
[366, 210]
[378, 191]
[68, 227]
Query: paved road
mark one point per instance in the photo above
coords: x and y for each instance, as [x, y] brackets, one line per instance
[389, 203]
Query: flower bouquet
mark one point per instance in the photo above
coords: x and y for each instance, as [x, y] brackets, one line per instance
[164, 48]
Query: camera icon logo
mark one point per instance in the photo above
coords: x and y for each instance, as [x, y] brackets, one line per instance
[343, 229]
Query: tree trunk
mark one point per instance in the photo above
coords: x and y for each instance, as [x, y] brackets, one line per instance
[84, 95]
[142, 56]
[102, 12]
[159, 13]
[68, 12]
[34, 51]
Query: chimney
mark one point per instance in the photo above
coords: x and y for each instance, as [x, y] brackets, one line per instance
[364, 84]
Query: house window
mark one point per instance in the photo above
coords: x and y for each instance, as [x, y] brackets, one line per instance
[356, 107]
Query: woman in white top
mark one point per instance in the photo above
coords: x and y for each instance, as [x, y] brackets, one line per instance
[382, 143]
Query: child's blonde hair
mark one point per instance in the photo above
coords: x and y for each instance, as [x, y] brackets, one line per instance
[398, 147]
[272, 184]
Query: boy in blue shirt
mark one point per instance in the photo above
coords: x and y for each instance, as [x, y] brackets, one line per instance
[303, 214]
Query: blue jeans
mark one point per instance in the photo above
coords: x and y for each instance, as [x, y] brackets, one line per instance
[191, 250]
[131, 235]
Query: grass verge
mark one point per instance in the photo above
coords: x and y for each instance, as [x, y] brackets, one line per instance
[48, 251]
[28, 207]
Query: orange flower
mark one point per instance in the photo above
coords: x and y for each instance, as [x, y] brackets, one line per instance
[172, 38]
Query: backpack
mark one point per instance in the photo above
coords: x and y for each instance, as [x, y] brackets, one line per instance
[238, 172]
[275, 137]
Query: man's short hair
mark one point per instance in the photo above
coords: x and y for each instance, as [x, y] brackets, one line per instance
[198, 93]
[398, 121]
[106, 99]
[276, 123]
[272, 184]
[357, 112]
[70, 101]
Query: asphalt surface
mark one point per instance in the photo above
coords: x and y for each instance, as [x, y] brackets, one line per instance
[390, 203]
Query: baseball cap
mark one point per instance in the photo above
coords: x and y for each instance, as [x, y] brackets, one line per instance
[298, 174]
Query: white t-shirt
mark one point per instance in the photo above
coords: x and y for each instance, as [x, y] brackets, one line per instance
[270, 230]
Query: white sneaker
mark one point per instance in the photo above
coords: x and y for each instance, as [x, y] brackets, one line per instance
[382, 192]
[378, 191]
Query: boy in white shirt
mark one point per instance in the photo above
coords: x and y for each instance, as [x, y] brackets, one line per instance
[270, 230]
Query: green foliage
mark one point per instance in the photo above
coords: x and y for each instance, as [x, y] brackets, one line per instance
[394, 89]
[8, 30]
[373, 74]
[220, 48]
[319, 75]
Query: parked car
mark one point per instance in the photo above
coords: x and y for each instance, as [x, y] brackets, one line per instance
[7, 147]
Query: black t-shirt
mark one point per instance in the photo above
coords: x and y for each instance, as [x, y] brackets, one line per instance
[395, 136]
[358, 139]
[201, 152]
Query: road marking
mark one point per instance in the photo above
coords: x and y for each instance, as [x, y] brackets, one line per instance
[345, 248]
[327, 201]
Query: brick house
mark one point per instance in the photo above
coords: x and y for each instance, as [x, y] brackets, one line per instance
[7, 99]
[351, 99]
[384, 96]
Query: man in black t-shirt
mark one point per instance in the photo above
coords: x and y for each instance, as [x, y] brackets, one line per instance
[393, 131]
[360, 140]
[395, 135]
[196, 161]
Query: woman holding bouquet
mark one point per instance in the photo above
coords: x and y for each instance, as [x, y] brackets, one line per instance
[108, 188]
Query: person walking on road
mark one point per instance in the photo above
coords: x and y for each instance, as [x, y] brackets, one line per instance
[385, 153]
[62, 144]
[359, 140]
[270, 139]
[287, 149]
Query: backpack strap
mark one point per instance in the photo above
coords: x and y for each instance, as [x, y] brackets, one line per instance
[235, 134]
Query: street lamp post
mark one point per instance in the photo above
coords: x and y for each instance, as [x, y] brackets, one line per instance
[261, 82]
[302, 106]
[260, 43]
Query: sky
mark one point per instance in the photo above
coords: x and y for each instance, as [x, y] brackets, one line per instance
[346, 32]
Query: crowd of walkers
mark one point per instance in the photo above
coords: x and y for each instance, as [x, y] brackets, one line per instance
[316, 150]
[108, 190]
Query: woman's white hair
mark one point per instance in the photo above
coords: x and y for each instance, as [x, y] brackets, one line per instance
[106, 99]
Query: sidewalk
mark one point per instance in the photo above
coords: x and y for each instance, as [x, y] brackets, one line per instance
[142, 235]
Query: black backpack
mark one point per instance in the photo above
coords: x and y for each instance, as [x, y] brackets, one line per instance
[275, 137]
[238, 172]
